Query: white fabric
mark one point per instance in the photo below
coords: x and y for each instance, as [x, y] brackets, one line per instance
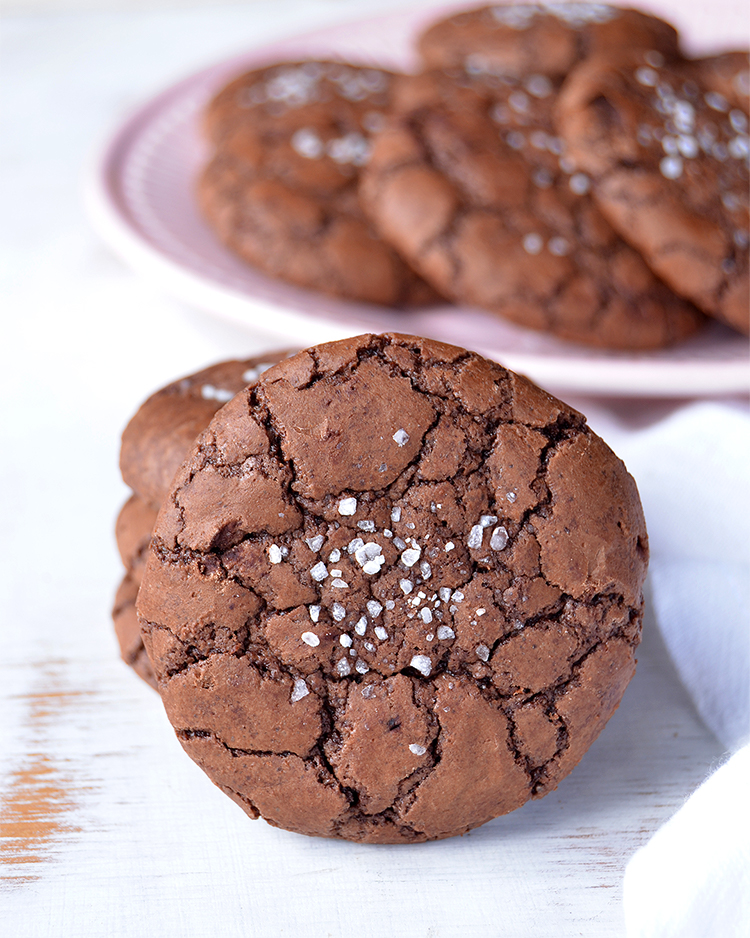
[692, 880]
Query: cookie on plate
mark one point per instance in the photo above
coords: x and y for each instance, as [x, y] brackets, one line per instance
[727, 74]
[471, 183]
[395, 591]
[518, 39]
[281, 188]
[668, 159]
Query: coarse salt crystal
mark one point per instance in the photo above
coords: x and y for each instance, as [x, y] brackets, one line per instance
[345, 641]
[315, 543]
[361, 627]
[410, 556]
[374, 607]
[319, 572]
[499, 538]
[300, 690]
[483, 652]
[426, 615]
[311, 639]
[444, 632]
[401, 437]
[381, 633]
[474, 540]
[314, 613]
[338, 612]
[422, 664]
[417, 749]
[343, 667]
[348, 506]
[274, 554]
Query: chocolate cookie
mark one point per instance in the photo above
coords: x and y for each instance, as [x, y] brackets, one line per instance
[133, 535]
[472, 185]
[160, 434]
[519, 39]
[281, 189]
[668, 159]
[154, 444]
[394, 592]
[727, 74]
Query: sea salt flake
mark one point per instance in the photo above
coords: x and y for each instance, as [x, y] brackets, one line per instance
[458, 596]
[338, 583]
[445, 632]
[647, 77]
[422, 664]
[361, 667]
[311, 639]
[211, 393]
[579, 183]
[410, 556]
[354, 545]
[716, 101]
[300, 690]
[252, 374]
[319, 572]
[483, 652]
[348, 506]
[374, 607]
[401, 438]
[334, 556]
[417, 749]
[361, 627]
[511, 497]
[474, 540]
[390, 604]
[343, 667]
[444, 593]
[314, 613]
[538, 85]
[426, 615]
[671, 167]
[366, 526]
[369, 646]
[558, 246]
[396, 514]
[338, 612]
[425, 569]
[449, 546]
[499, 538]
[315, 543]
[481, 611]
[274, 554]
[533, 243]
[308, 144]
[738, 121]
[345, 640]
[381, 633]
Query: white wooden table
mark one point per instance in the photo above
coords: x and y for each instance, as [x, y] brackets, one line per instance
[106, 828]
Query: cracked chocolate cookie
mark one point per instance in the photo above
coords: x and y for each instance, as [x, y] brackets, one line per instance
[668, 159]
[472, 184]
[281, 189]
[159, 435]
[519, 39]
[154, 444]
[394, 592]
[133, 535]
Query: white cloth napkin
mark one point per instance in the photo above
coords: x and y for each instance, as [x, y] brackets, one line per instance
[692, 879]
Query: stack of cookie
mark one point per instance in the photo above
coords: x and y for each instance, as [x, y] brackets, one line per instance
[154, 444]
[561, 165]
[392, 590]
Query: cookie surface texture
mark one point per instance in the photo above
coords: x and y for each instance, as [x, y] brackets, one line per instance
[668, 158]
[281, 189]
[517, 39]
[470, 181]
[394, 592]
[159, 435]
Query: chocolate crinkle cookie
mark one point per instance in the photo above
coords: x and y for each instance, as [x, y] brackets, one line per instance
[154, 444]
[394, 591]
[281, 188]
[473, 185]
[668, 157]
[517, 39]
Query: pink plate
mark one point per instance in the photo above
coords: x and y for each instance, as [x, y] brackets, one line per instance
[140, 199]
